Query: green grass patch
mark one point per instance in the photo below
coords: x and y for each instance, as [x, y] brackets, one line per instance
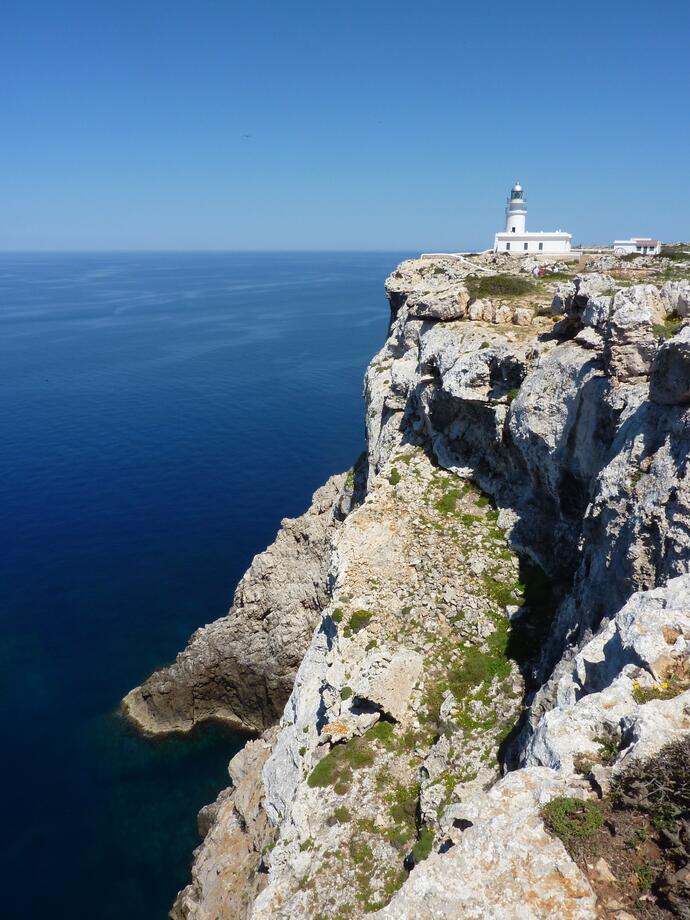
[666, 689]
[568, 817]
[676, 253]
[646, 874]
[609, 746]
[497, 286]
[346, 693]
[670, 326]
[447, 503]
[394, 477]
[511, 394]
[422, 847]
[342, 814]
[359, 620]
[557, 276]
[384, 733]
[360, 851]
[335, 769]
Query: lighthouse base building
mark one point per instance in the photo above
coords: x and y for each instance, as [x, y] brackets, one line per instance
[515, 239]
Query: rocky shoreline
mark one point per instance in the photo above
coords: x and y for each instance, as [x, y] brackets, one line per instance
[436, 647]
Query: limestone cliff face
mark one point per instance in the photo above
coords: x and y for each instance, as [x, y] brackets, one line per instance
[446, 689]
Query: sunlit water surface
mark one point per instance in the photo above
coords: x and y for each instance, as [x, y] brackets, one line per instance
[160, 413]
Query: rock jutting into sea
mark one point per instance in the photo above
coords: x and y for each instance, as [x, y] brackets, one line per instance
[461, 653]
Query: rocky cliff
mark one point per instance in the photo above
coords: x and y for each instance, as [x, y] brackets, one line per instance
[489, 622]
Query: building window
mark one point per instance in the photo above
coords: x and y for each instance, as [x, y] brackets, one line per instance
[524, 246]
[541, 246]
[507, 245]
[512, 229]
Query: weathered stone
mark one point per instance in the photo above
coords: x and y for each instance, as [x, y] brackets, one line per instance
[387, 682]
[596, 691]
[677, 296]
[630, 339]
[602, 871]
[225, 876]
[445, 303]
[563, 297]
[589, 338]
[669, 380]
[522, 316]
[475, 311]
[502, 314]
[504, 865]
[240, 669]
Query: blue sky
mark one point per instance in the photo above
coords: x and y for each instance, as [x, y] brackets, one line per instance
[368, 124]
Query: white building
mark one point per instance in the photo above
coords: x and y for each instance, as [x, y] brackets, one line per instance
[518, 241]
[642, 245]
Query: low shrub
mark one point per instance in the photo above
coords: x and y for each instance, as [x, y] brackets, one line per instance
[394, 477]
[422, 847]
[360, 619]
[570, 817]
[670, 326]
[498, 286]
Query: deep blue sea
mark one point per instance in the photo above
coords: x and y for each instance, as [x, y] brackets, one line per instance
[159, 415]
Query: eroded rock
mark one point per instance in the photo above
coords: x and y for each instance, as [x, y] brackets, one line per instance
[240, 669]
[669, 382]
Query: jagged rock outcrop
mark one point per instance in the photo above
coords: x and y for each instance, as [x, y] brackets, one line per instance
[240, 669]
[669, 382]
[226, 875]
[438, 659]
[608, 689]
[504, 865]
[411, 658]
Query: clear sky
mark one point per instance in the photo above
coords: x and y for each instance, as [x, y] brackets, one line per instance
[367, 124]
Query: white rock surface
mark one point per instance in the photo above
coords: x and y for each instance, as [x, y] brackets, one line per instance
[504, 867]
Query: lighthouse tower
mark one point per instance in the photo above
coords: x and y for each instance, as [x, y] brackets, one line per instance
[516, 210]
[516, 241]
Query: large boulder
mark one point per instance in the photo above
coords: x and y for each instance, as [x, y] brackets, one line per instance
[601, 692]
[669, 382]
[631, 342]
[522, 316]
[563, 298]
[444, 303]
[584, 302]
[677, 296]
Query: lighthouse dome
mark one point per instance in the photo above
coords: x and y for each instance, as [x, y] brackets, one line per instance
[516, 191]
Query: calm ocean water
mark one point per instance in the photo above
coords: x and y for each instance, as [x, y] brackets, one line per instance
[160, 413]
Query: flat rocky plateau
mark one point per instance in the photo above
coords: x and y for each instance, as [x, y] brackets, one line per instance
[469, 642]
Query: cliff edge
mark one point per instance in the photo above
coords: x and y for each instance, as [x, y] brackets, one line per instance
[501, 633]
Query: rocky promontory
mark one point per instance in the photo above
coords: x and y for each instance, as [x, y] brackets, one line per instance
[470, 659]
[240, 669]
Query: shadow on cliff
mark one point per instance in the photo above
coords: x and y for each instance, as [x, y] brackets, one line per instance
[528, 632]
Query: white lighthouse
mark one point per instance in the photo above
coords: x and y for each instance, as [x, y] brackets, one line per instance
[516, 210]
[516, 240]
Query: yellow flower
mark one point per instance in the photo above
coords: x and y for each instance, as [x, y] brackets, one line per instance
[665, 685]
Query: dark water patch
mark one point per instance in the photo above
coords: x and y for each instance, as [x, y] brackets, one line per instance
[160, 413]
